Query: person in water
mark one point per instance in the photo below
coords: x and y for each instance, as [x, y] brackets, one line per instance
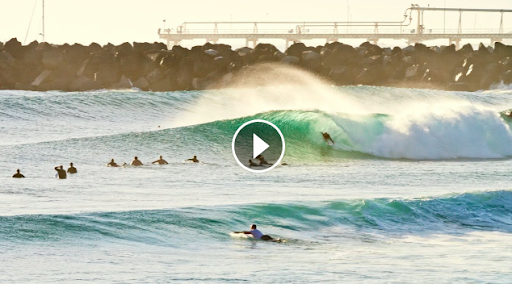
[256, 234]
[18, 174]
[195, 160]
[262, 160]
[160, 161]
[61, 173]
[72, 170]
[112, 164]
[253, 164]
[327, 137]
[136, 162]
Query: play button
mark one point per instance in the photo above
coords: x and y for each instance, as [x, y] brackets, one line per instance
[258, 146]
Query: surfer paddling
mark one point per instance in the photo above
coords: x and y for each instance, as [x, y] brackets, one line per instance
[112, 164]
[136, 162]
[160, 161]
[327, 137]
[18, 174]
[195, 160]
[263, 162]
[256, 234]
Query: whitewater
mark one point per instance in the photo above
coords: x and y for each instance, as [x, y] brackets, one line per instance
[416, 188]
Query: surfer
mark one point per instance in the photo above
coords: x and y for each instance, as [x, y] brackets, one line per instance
[18, 174]
[253, 164]
[136, 162]
[327, 137]
[195, 160]
[112, 164]
[256, 234]
[61, 173]
[160, 161]
[262, 160]
[72, 170]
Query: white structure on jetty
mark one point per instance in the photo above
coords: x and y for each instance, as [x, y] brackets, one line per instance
[252, 32]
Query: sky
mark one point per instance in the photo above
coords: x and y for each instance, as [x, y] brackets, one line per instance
[118, 21]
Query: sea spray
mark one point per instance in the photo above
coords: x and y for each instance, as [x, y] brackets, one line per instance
[268, 87]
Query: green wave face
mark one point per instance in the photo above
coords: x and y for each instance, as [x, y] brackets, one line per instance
[486, 211]
[472, 133]
[417, 124]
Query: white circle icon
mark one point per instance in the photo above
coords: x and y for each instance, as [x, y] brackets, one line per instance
[259, 145]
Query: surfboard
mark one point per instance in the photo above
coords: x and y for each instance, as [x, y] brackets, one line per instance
[249, 236]
[192, 162]
[260, 166]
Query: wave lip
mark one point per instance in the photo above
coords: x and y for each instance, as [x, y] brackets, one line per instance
[447, 132]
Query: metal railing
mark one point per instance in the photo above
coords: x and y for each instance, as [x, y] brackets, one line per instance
[313, 31]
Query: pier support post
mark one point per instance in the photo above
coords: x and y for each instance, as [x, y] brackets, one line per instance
[456, 41]
[253, 40]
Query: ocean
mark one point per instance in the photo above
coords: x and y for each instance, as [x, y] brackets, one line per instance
[415, 190]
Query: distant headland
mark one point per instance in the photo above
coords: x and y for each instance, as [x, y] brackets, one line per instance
[152, 67]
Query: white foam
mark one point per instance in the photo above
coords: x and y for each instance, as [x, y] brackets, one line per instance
[444, 131]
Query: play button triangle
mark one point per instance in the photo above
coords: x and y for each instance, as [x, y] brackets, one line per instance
[258, 146]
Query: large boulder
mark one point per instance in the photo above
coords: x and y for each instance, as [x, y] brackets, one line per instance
[142, 47]
[141, 83]
[372, 61]
[296, 50]
[102, 62]
[490, 76]
[158, 46]
[40, 79]
[167, 82]
[311, 60]
[83, 83]
[124, 49]
[372, 75]
[124, 83]
[94, 47]
[290, 60]
[200, 83]
[155, 76]
[202, 67]
[164, 85]
[221, 64]
[466, 50]
[52, 58]
[75, 54]
[170, 60]
[243, 51]
[344, 55]
[105, 78]
[506, 77]
[14, 47]
[412, 73]
[6, 59]
[136, 65]
[341, 75]
[156, 56]
[371, 49]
